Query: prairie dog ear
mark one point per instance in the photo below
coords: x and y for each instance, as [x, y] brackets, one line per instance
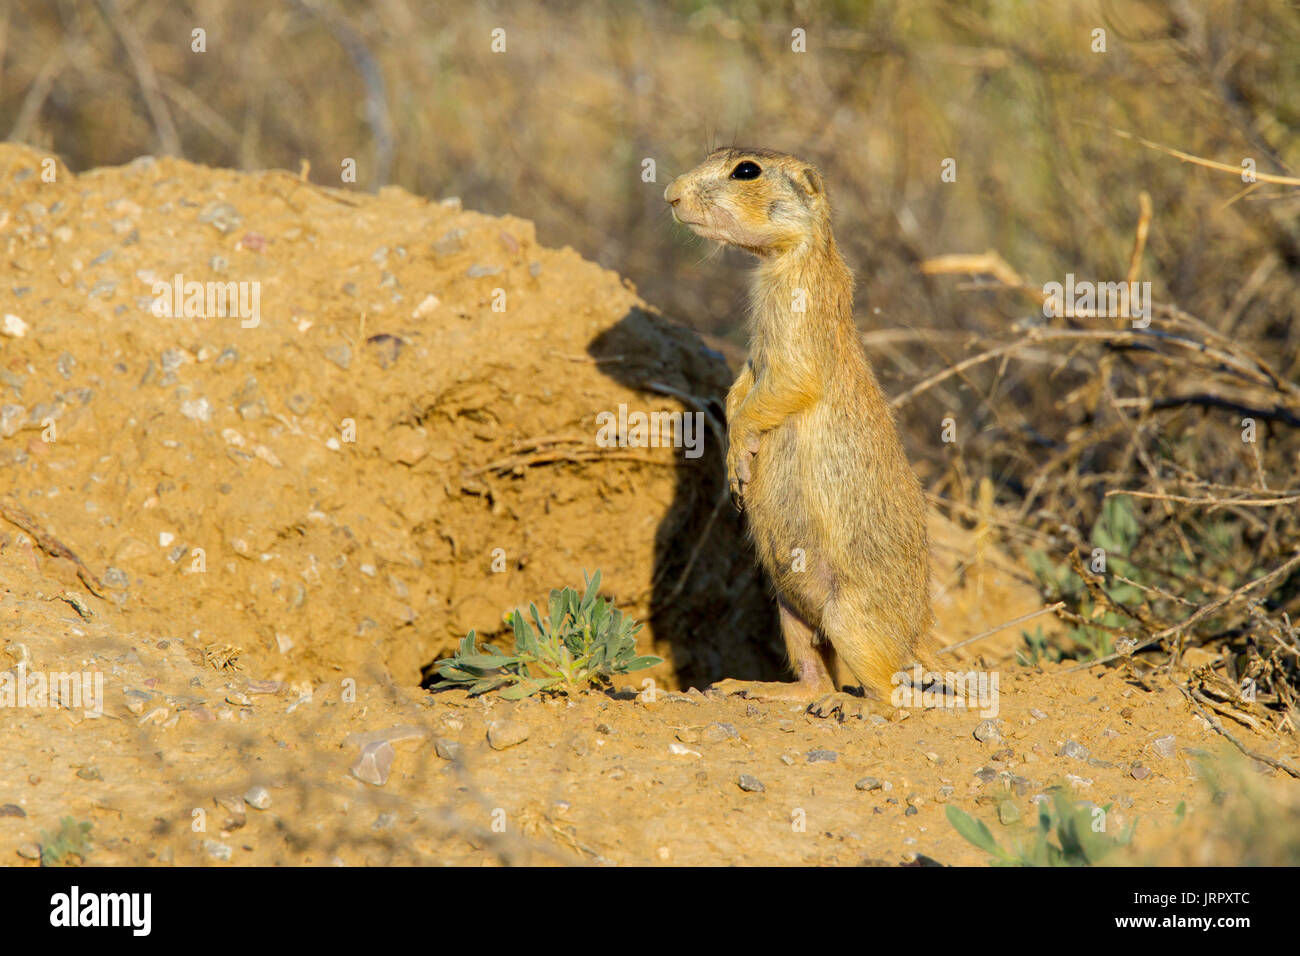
[812, 181]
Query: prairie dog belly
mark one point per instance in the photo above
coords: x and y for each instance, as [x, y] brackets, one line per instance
[783, 518]
[816, 523]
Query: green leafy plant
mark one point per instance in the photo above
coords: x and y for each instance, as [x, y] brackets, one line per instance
[1077, 843]
[73, 839]
[584, 641]
[1116, 531]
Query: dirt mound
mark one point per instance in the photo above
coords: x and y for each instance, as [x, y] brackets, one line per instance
[257, 529]
[337, 430]
[398, 447]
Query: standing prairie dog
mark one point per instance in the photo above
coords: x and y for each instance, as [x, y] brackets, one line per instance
[836, 513]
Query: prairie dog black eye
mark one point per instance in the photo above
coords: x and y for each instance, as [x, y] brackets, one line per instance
[746, 170]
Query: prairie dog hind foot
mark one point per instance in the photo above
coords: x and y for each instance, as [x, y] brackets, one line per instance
[820, 699]
[797, 691]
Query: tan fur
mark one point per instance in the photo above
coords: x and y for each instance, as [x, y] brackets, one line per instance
[813, 452]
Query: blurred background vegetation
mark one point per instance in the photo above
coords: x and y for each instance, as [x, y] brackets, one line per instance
[557, 128]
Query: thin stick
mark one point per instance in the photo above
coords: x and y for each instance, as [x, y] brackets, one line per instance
[695, 551]
[1002, 627]
[50, 544]
[1214, 722]
[506, 465]
[1199, 615]
[988, 263]
[1217, 502]
[169, 142]
[1038, 336]
[1140, 238]
[1208, 163]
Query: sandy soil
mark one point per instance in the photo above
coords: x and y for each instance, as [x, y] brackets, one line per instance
[280, 525]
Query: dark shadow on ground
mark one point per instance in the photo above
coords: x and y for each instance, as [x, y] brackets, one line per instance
[710, 601]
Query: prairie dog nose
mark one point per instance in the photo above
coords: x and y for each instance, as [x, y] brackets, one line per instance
[673, 193]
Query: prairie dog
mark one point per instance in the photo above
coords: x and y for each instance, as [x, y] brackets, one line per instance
[835, 510]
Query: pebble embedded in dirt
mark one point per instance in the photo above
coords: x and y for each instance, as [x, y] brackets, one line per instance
[823, 756]
[13, 326]
[506, 732]
[258, 797]
[1074, 750]
[750, 783]
[718, 732]
[868, 783]
[987, 730]
[217, 850]
[375, 762]
[1166, 746]
[446, 749]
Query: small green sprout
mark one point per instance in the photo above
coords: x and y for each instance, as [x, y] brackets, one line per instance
[73, 839]
[1078, 843]
[584, 643]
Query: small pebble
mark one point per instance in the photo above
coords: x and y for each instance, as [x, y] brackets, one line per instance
[823, 756]
[340, 355]
[375, 762]
[1074, 750]
[446, 749]
[29, 851]
[1165, 746]
[717, 732]
[987, 730]
[506, 733]
[750, 784]
[223, 216]
[197, 409]
[426, 307]
[13, 326]
[868, 783]
[259, 798]
[217, 850]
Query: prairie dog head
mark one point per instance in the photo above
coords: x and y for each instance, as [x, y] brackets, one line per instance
[762, 201]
